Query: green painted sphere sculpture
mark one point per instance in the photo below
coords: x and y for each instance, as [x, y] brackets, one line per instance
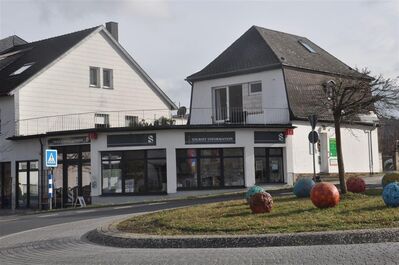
[252, 191]
[324, 195]
[303, 187]
[261, 202]
[356, 184]
[390, 194]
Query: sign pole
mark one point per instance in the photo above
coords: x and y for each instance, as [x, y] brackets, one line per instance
[314, 158]
[313, 139]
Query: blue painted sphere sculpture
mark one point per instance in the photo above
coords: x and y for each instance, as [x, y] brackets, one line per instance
[252, 191]
[303, 187]
[391, 194]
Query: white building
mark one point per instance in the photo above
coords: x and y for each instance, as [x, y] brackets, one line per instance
[248, 120]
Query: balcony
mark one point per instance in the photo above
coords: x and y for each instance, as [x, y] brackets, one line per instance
[151, 118]
[103, 119]
[243, 115]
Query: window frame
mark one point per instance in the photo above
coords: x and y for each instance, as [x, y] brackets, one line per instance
[250, 92]
[123, 160]
[111, 78]
[97, 69]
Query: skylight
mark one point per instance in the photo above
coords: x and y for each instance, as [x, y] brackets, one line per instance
[307, 46]
[22, 69]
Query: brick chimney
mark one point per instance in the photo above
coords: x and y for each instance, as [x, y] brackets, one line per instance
[112, 28]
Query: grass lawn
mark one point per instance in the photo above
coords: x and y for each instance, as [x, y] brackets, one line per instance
[289, 214]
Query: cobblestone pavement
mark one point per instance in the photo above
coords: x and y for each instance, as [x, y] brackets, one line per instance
[62, 244]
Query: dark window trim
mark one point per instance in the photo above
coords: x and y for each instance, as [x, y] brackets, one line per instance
[221, 156]
[27, 170]
[266, 156]
[123, 168]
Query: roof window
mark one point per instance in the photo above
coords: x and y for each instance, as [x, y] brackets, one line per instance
[22, 69]
[307, 46]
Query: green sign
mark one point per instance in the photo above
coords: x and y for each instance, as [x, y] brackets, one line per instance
[333, 147]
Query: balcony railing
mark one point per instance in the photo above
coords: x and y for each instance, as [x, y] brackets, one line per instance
[103, 119]
[146, 118]
[242, 115]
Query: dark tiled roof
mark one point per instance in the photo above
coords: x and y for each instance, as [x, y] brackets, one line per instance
[41, 53]
[306, 94]
[248, 53]
[260, 48]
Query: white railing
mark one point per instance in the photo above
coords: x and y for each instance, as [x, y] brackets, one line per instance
[239, 116]
[103, 119]
[146, 118]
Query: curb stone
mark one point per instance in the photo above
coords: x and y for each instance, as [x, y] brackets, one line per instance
[109, 235]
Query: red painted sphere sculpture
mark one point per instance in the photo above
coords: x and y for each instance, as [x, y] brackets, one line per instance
[356, 184]
[261, 202]
[324, 195]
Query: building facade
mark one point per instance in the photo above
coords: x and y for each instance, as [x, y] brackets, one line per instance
[117, 138]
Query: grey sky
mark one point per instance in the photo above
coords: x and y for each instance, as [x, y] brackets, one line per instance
[173, 39]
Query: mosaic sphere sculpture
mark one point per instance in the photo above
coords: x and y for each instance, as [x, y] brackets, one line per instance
[261, 203]
[252, 191]
[303, 187]
[389, 178]
[390, 195]
[356, 184]
[324, 195]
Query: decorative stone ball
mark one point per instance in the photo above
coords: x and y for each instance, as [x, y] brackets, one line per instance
[356, 184]
[389, 178]
[261, 203]
[390, 194]
[252, 191]
[303, 187]
[324, 195]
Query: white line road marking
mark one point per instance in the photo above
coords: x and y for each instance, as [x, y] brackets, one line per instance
[8, 220]
[85, 211]
[47, 215]
[156, 203]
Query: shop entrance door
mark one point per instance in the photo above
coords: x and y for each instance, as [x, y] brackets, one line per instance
[73, 175]
[5, 185]
[269, 165]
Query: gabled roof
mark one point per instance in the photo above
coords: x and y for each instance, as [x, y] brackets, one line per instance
[40, 53]
[259, 49]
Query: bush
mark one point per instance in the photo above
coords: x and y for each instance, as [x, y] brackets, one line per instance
[389, 178]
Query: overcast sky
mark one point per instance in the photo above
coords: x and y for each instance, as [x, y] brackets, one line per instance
[173, 39]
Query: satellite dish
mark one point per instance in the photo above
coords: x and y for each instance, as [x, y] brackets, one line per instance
[182, 111]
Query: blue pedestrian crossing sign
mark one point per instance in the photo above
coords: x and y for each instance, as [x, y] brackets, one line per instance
[51, 158]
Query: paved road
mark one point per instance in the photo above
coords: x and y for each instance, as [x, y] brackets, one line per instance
[57, 238]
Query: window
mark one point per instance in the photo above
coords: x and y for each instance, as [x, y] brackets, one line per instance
[28, 184]
[107, 78]
[101, 120]
[255, 88]
[131, 121]
[22, 69]
[130, 172]
[269, 165]
[95, 76]
[210, 168]
[307, 46]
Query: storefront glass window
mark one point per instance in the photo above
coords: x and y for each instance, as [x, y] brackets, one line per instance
[112, 176]
[211, 168]
[141, 171]
[269, 165]
[27, 184]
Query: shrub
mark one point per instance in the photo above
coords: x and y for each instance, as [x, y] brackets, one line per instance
[389, 178]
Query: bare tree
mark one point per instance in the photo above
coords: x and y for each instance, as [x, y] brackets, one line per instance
[346, 99]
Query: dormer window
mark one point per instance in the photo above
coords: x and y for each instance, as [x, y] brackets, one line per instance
[307, 46]
[22, 69]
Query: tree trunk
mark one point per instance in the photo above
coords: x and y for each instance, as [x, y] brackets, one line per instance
[340, 158]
